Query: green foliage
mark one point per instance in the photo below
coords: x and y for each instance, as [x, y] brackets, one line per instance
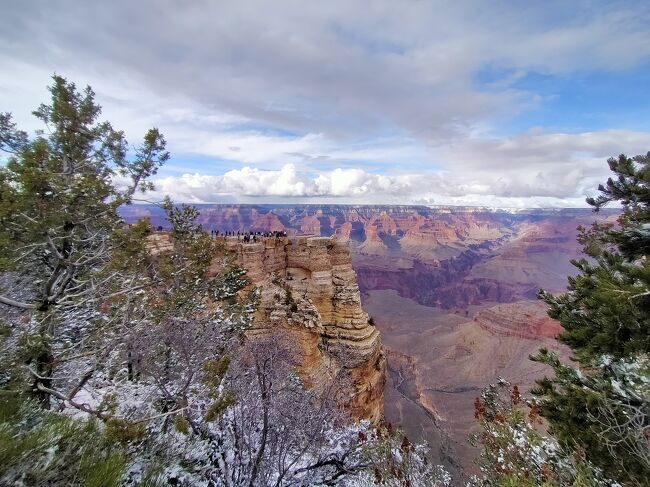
[215, 370]
[213, 373]
[56, 191]
[129, 247]
[42, 448]
[109, 404]
[603, 411]
[289, 300]
[219, 405]
[601, 408]
[31, 344]
[182, 220]
[121, 431]
[5, 329]
[288, 296]
[631, 188]
[181, 425]
[607, 308]
[58, 212]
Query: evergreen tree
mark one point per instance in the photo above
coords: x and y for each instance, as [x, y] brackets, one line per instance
[603, 406]
[43, 448]
[58, 210]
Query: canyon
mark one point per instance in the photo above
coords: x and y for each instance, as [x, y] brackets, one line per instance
[452, 291]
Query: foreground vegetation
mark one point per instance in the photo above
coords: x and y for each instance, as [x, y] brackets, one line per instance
[598, 409]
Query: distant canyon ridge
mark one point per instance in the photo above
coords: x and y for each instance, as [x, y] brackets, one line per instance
[451, 289]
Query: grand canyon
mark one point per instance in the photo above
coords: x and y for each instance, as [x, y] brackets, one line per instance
[393, 243]
[452, 291]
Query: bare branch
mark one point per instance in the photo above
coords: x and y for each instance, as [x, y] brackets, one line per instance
[16, 304]
[81, 407]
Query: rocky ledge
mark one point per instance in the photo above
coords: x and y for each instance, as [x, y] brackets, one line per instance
[309, 292]
[523, 319]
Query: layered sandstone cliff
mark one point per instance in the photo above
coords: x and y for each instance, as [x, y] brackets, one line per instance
[310, 295]
[159, 243]
[523, 319]
[309, 291]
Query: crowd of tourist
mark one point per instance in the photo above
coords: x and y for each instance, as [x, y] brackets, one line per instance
[248, 237]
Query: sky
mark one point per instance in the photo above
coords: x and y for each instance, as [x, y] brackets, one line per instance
[498, 104]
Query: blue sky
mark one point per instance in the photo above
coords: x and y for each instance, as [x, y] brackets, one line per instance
[392, 101]
[586, 101]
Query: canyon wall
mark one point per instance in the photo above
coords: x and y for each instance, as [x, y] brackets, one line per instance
[309, 293]
[451, 258]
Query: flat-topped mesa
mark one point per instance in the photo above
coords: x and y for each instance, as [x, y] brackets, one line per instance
[310, 293]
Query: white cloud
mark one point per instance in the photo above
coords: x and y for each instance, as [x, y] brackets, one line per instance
[534, 169]
[335, 67]
[285, 182]
[343, 100]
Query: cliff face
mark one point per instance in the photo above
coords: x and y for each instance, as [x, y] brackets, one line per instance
[310, 293]
[524, 319]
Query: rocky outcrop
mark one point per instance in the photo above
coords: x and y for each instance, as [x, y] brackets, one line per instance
[158, 243]
[373, 244]
[524, 319]
[309, 291]
[309, 294]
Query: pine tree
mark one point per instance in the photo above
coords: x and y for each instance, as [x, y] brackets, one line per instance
[58, 210]
[40, 447]
[603, 406]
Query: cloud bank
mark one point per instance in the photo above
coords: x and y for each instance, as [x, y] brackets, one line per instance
[351, 101]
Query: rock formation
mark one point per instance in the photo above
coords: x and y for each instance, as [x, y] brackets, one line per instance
[309, 292]
[524, 319]
[158, 243]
